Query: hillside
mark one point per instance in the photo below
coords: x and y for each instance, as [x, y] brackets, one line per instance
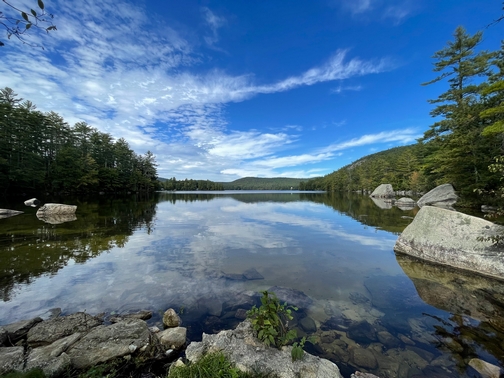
[257, 183]
[399, 166]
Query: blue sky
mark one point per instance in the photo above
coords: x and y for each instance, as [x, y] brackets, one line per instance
[226, 89]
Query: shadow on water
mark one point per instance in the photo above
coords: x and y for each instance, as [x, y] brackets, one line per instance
[29, 247]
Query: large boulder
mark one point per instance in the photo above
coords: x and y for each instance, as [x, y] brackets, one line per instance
[47, 332]
[104, 343]
[11, 358]
[383, 191]
[56, 218]
[441, 196]
[248, 353]
[405, 203]
[55, 208]
[452, 238]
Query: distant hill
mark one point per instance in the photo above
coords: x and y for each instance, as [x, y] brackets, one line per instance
[259, 183]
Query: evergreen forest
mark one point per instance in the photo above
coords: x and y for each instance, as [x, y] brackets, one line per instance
[465, 144]
[41, 153]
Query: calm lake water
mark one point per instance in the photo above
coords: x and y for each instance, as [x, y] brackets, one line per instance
[332, 255]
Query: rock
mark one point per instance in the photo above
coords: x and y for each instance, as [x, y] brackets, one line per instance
[56, 208]
[11, 358]
[241, 300]
[103, 343]
[308, 324]
[405, 203]
[233, 276]
[293, 297]
[248, 353]
[488, 209]
[7, 213]
[381, 203]
[441, 196]
[32, 202]
[487, 370]
[253, 274]
[383, 191]
[363, 358]
[143, 315]
[16, 331]
[389, 340]
[173, 338]
[171, 319]
[358, 298]
[452, 238]
[359, 374]
[52, 358]
[4, 336]
[241, 314]
[56, 218]
[51, 330]
[362, 333]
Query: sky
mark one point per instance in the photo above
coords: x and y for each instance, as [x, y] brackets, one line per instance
[225, 89]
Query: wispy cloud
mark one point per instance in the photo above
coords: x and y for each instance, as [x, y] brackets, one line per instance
[403, 136]
[214, 22]
[341, 88]
[395, 10]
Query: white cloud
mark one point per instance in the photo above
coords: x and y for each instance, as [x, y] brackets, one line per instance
[214, 22]
[341, 89]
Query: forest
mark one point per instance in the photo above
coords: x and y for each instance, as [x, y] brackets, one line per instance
[464, 147]
[41, 153]
[261, 183]
[189, 184]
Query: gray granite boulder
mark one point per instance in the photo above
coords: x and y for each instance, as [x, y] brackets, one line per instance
[405, 203]
[56, 208]
[171, 319]
[47, 332]
[52, 358]
[32, 202]
[248, 353]
[11, 358]
[383, 191]
[441, 196]
[173, 338]
[103, 343]
[448, 237]
[16, 331]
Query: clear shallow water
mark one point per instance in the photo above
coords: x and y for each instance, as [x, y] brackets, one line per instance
[374, 311]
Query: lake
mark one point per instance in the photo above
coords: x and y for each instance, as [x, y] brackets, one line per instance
[202, 253]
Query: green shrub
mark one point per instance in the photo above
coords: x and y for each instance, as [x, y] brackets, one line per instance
[35, 373]
[270, 320]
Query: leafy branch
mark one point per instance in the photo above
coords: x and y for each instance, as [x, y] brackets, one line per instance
[18, 26]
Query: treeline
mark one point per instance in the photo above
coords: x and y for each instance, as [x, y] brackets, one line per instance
[40, 152]
[174, 184]
[465, 147]
[261, 183]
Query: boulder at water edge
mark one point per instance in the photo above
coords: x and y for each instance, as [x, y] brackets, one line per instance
[441, 196]
[448, 237]
[32, 202]
[7, 213]
[55, 208]
[248, 353]
[383, 191]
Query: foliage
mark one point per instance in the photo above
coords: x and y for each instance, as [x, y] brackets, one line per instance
[22, 20]
[213, 365]
[261, 183]
[174, 184]
[34, 373]
[270, 320]
[41, 152]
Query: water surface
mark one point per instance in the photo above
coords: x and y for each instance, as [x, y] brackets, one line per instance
[373, 311]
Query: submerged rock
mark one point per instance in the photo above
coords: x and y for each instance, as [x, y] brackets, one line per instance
[486, 369]
[293, 297]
